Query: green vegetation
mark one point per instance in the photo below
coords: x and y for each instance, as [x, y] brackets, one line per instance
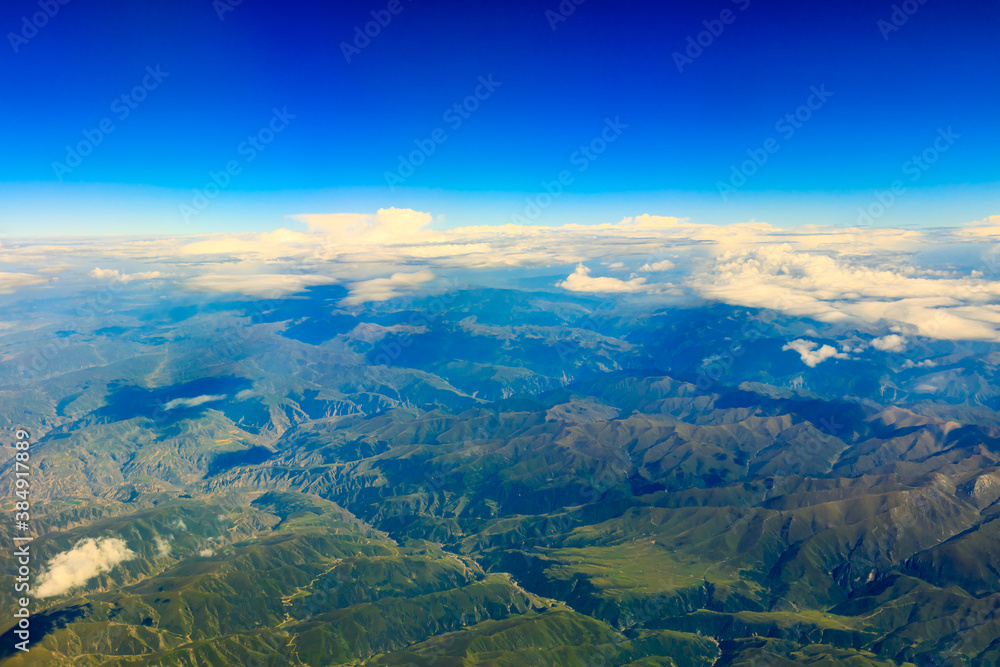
[530, 502]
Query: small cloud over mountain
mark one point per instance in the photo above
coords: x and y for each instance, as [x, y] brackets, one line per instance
[890, 343]
[193, 402]
[87, 559]
[383, 289]
[812, 353]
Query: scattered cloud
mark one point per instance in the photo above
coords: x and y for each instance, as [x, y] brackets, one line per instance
[383, 289]
[193, 402]
[87, 559]
[890, 343]
[206, 553]
[261, 285]
[581, 281]
[811, 354]
[662, 265]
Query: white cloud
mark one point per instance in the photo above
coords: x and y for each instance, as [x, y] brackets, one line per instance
[268, 245]
[282, 235]
[926, 363]
[10, 282]
[890, 343]
[87, 559]
[383, 289]
[662, 265]
[854, 276]
[581, 281]
[387, 225]
[193, 402]
[271, 285]
[114, 275]
[834, 289]
[811, 356]
[990, 227]
[162, 547]
[206, 553]
[179, 524]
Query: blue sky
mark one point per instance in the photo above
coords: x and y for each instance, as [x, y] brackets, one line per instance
[210, 80]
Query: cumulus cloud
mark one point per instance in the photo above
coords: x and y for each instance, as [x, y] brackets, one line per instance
[812, 355]
[271, 285]
[581, 281]
[662, 265]
[834, 289]
[193, 402]
[890, 343]
[87, 559]
[383, 289]
[387, 225]
[206, 553]
[179, 524]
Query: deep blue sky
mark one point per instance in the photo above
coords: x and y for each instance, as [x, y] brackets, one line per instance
[608, 59]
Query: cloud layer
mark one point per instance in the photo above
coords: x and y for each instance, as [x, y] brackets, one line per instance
[843, 289]
[901, 280]
[116, 275]
[11, 282]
